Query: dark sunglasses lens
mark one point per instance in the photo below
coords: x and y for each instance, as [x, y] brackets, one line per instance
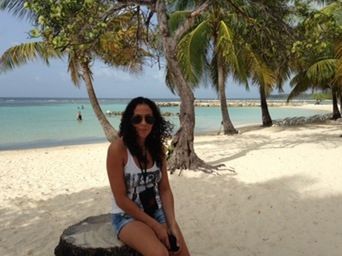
[149, 119]
[136, 119]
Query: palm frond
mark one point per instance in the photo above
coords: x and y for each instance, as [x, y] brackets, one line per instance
[214, 73]
[183, 4]
[17, 8]
[339, 50]
[334, 9]
[225, 46]
[191, 52]
[242, 76]
[120, 49]
[73, 68]
[261, 74]
[169, 81]
[322, 71]
[300, 84]
[176, 18]
[22, 53]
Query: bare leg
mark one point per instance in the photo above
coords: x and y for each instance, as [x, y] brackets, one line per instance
[142, 238]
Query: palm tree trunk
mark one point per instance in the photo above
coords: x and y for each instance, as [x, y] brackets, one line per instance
[228, 127]
[336, 112]
[110, 132]
[266, 117]
[341, 102]
[183, 155]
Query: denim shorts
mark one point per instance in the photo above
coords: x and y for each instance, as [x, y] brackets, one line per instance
[119, 220]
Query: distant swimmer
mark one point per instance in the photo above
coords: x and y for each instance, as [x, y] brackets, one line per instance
[79, 116]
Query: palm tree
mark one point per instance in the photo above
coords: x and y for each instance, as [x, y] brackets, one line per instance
[79, 47]
[267, 37]
[318, 61]
[319, 74]
[183, 156]
[238, 37]
[209, 48]
[261, 75]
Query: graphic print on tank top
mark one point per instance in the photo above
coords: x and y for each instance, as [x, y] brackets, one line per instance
[135, 181]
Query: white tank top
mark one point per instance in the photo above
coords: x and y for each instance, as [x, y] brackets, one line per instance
[134, 180]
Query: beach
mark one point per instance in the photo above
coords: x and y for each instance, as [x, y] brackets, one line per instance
[285, 198]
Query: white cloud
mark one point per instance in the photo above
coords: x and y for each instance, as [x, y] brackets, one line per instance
[108, 72]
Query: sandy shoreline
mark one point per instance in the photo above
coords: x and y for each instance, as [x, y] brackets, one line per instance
[286, 198]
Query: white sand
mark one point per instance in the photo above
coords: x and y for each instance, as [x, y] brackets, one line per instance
[286, 198]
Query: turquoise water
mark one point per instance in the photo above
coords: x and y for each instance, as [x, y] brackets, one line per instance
[29, 123]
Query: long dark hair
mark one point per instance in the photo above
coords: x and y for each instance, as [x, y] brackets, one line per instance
[154, 143]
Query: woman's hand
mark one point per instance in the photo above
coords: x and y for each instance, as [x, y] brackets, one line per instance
[174, 230]
[161, 232]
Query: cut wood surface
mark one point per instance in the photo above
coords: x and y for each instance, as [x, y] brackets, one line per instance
[92, 236]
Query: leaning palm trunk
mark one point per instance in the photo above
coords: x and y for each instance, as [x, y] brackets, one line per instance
[228, 127]
[110, 132]
[183, 155]
[336, 112]
[266, 117]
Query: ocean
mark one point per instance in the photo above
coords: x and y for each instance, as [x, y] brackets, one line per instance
[45, 122]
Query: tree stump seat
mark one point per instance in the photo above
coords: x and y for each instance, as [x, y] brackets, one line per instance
[93, 236]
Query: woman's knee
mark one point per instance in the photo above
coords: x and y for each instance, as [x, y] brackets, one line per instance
[160, 251]
[142, 238]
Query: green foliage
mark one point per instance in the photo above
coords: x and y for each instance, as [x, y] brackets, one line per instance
[319, 32]
[225, 46]
[68, 24]
[322, 71]
[192, 52]
[260, 73]
[119, 45]
[176, 18]
[82, 30]
[300, 83]
[321, 96]
[17, 7]
[87, 28]
[245, 38]
[23, 53]
[339, 63]
[315, 55]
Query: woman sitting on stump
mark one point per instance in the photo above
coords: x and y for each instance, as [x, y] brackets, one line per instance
[143, 213]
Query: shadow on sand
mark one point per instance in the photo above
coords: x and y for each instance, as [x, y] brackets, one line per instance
[218, 215]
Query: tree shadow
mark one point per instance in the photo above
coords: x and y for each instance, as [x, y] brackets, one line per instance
[219, 215]
[277, 217]
[50, 217]
[240, 146]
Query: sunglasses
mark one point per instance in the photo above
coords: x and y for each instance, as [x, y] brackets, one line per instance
[137, 119]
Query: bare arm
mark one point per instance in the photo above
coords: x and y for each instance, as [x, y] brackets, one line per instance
[168, 201]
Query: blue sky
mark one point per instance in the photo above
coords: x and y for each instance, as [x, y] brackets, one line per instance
[35, 79]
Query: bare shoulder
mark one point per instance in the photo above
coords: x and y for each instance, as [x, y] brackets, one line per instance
[117, 150]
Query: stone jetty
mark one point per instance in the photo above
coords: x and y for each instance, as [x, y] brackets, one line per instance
[237, 103]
